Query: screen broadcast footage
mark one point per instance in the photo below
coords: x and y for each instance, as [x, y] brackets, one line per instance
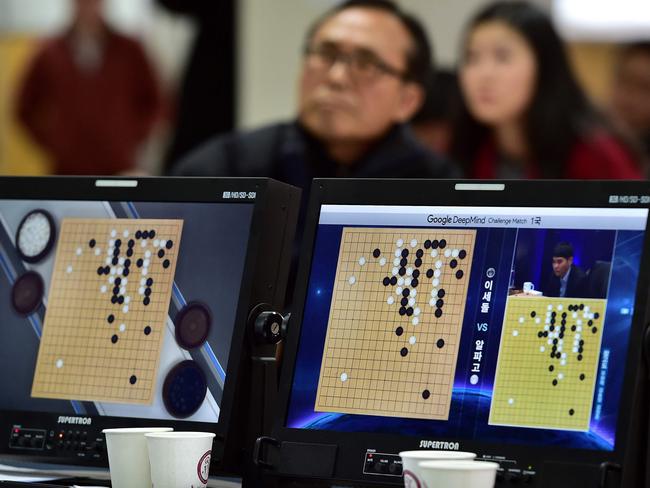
[492, 324]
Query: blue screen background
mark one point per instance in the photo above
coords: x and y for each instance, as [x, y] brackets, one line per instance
[515, 255]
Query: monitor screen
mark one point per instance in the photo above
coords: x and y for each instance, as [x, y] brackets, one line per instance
[491, 324]
[119, 308]
[125, 303]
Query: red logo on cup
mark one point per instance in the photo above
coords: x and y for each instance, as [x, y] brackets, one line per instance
[410, 480]
[203, 468]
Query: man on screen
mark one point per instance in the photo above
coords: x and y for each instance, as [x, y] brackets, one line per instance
[567, 280]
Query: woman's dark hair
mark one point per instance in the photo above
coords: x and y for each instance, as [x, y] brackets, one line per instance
[559, 113]
[419, 60]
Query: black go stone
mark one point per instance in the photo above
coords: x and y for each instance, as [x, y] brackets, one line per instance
[571, 412]
[129, 252]
[147, 330]
[131, 243]
[402, 311]
[453, 263]
[438, 313]
[404, 302]
[100, 270]
[551, 368]
[596, 315]
[138, 234]
[404, 352]
[115, 261]
[139, 263]
[405, 253]
[402, 271]
[114, 339]
[533, 314]
[386, 281]
[440, 302]
[459, 274]
[161, 253]
[145, 234]
[393, 281]
[442, 243]
[114, 299]
[540, 334]
[116, 290]
[573, 328]
[419, 253]
[125, 272]
[409, 311]
[426, 394]
[440, 343]
[399, 331]
[415, 282]
[418, 262]
[590, 323]
[118, 281]
[435, 244]
[116, 252]
[406, 292]
[127, 263]
[462, 254]
[152, 234]
[564, 315]
[416, 273]
[582, 306]
[546, 333]
[120, 300]
[558, 355]
[441, 293]
[403, 262]
[376, 253]
[169, 244]
[146, 301]
[429, 273]
[133, 379]
[579, 357]
[149, 282]
[107, 269]
[594, 330]
[118, 243]
[427, 244]
[92, 243]
[582, 377]
[147, 292]
[554, 382]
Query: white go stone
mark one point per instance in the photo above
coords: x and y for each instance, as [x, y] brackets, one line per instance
[390, 300]
[515, 333]
[415, 321]
[414, 242]
[400, 281]
[59, 363]
[412, 340]
[103, 289]
[344, 377]
[362, 260]
[68, 269]
[400, 242]
[454, 253]
[352, 280]
[382, 262]
[122, 327]
[438, 264]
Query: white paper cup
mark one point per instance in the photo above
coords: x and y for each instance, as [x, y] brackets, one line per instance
[459, 474]
[411, 460]
[180, 459]
[128, 457]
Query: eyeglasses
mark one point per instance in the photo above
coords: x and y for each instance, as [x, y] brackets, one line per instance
[363, 65]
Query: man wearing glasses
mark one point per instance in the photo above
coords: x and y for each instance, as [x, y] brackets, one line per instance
[365, 67]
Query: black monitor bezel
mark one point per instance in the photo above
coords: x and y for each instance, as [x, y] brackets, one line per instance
[445, 193]
[230, 428]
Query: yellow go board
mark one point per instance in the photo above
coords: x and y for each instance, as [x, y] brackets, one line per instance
[548, 361]
[395, 321]
[107, 308]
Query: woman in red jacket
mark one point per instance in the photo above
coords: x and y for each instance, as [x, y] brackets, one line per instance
[524, 114]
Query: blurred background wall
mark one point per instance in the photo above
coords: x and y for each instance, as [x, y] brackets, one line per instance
[269, 41]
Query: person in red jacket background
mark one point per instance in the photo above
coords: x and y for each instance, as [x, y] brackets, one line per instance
[524, 114]
[90, 97]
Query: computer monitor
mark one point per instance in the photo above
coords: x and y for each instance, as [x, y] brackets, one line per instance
[501, 318]
[125, 302]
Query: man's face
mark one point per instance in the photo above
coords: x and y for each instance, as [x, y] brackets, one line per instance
[337, 101]
[561, 266]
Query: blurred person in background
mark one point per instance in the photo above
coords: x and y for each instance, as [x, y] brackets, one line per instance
[366, 63]
[206, 99]
[524, 114]
[90, 97]
[631, 92]
[433, 123]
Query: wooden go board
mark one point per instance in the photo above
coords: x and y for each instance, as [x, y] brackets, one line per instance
[548, 363]
[107, 308]
[395, 321]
